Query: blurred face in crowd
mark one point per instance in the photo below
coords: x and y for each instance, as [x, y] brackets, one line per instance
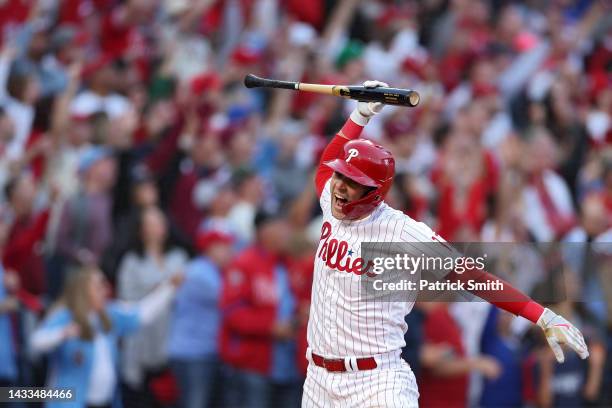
[80, 132]
[38, 45]
[146, 194]
[541, 152]
[105, 79]
[241, 148]
[594, 216]
[510, 23]
[343, 191]
[222, 203]
[154, 227]
[23, 194]
[103, 173]
[252, 190]
[141, 11]
[275, 235]
[207, 150]
[221, 253]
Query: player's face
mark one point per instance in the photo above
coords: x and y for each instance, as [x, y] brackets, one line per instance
[343, 191]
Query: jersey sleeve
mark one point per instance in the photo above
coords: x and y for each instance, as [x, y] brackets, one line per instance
[325, 198]
[508, 298]
[349, 131]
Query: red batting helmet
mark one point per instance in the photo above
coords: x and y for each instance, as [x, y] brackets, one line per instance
[370, 165]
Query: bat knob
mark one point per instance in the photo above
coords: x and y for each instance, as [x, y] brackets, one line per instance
[414, 98]
[252, 81]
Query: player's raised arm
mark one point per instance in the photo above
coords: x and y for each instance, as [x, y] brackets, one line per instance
[351, 130]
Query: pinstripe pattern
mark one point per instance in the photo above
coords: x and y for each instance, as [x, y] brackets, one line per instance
[381, 388]
[343, 325]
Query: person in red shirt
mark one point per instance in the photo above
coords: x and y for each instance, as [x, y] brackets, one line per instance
[23, 250]
[445, 383]
[257, 339]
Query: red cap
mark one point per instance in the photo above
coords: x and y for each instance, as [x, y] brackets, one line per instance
[210, 237]
[393, 14]
[245, 56]
[205, 82]
[101, 62]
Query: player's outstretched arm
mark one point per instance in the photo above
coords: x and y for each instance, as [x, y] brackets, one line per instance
[557, 329]
[351, 130]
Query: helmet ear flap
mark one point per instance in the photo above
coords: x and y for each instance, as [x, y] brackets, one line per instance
[364, 205]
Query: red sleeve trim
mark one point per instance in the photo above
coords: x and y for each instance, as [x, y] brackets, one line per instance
[532, 311]
[351, 130]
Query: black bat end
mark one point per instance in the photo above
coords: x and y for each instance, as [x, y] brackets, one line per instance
[252, 81]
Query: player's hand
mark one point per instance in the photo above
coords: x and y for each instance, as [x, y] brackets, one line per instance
[366, 110]
[559, 331]
[369, 109]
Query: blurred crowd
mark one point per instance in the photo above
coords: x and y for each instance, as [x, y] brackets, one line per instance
[158, 221]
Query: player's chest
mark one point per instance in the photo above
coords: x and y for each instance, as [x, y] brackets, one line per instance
[340, 250]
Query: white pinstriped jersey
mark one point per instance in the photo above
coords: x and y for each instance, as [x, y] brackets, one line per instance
[340, 323]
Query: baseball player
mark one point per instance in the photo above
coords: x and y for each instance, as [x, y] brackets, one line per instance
[354, 345]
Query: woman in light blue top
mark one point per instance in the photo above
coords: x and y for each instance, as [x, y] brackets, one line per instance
[81, 334]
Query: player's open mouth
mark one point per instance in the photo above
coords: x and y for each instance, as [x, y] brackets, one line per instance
[339, 201]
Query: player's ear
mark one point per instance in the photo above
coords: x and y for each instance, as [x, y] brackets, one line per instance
[367, 191]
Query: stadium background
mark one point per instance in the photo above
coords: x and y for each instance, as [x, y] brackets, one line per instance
[128, 142]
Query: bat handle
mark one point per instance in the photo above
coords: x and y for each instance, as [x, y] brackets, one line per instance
[253, 81]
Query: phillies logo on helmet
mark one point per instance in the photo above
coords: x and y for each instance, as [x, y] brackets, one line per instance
[352, 153]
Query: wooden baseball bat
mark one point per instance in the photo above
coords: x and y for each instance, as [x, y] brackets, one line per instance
[388, 96]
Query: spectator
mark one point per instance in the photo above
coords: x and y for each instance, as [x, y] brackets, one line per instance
[81, 333]
[8, 304]
[101, 95]
[580, 256]
[196, 320]
[24, 252]
[249, 187]
[547, 202]
[465, 178]
[258, 330]
[575, 382]
[18, 95]
[150, 261]
[499, 342]
[445, 383]
[85, 225]
[201, 174]
[7, 131]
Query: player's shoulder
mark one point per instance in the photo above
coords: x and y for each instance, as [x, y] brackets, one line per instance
[411, 229]
[387, 212]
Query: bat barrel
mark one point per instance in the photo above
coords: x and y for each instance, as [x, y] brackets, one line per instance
[387, 96]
